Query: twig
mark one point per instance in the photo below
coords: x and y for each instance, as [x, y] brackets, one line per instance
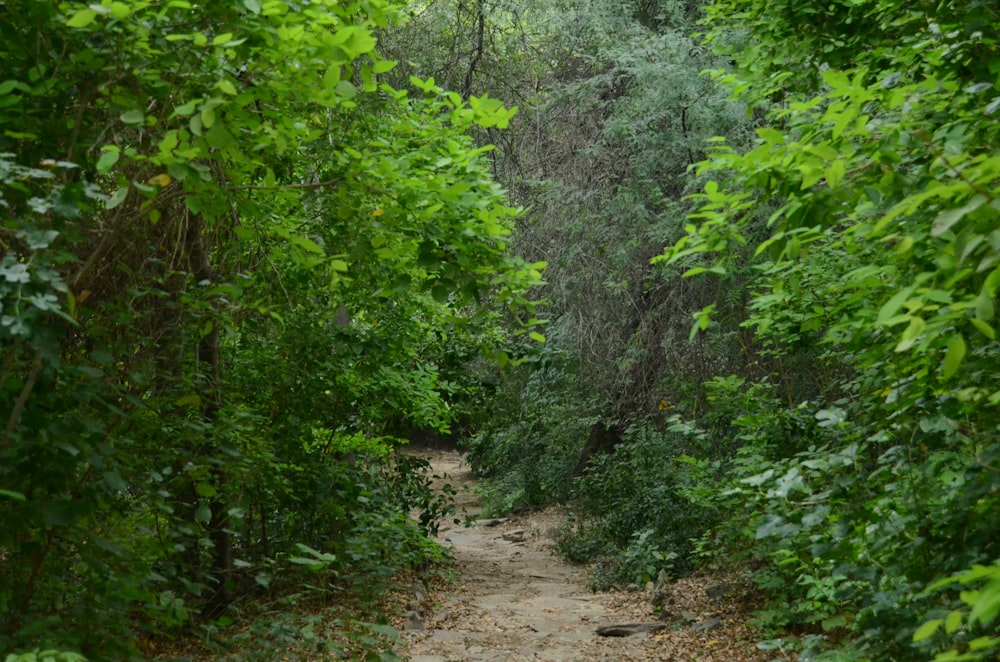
[22, 400]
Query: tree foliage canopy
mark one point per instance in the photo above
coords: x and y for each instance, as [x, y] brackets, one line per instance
[234, 261]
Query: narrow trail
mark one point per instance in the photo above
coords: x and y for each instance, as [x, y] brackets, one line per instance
[515, 600]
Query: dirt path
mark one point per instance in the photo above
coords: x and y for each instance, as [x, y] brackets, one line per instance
[515, 600]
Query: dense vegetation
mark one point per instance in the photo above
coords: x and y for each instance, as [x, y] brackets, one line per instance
[237, 267]
[250, 246]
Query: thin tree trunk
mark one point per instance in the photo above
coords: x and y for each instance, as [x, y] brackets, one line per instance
[209, 363]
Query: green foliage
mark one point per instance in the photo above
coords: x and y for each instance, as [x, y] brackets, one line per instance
[235, 263]
[981, 607]
[528, 455]
[877, 265]
[298, 637]
[636, 506]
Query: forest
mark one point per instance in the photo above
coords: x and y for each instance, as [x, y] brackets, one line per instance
[719, 275]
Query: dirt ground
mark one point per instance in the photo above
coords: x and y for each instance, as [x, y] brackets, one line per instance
[515, 600]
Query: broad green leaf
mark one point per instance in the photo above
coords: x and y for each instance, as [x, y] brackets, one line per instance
[107, 161]
[834, 173]
[537, 337]
[16, 496]
[836, 79]
[988, 605]
[114, 480]
[117, 198]
[772, 136]
[82, 18]
[205, 489]
[203, 514]
[120, 10]
[992, 282]
[132, 117]
[948, 218]
[218, 137]
[984, 307]
[984, 328]
[207, 117]
[953, 355]
[911, 334]
[893, 305]
[306, 244]
[927, 630]
[953, 622]
[226, 87]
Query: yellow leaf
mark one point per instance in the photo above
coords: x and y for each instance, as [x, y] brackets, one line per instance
[378, 212]
[162, 180]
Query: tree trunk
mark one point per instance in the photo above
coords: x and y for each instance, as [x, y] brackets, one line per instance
[603, 439]
[209, 364]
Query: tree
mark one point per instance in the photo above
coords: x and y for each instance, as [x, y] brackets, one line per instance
[880, 167]
[224, 240]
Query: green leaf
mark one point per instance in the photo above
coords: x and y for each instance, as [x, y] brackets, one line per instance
[16, 496]
[304, 243]
[988, 605]
[927, 630]
[984, 328]
[953, 622]
[120, 10]
[984, 307]
[911, 334]
[114, 480]
[954, 355]
[82, 18]
[226, 87]
[117, 198]
[132, 117]
[203, 514]
[772, 136]
[107, 161]
[218, 137]
[186, 109]
[537, 337]
[892, 306]
[836, 79]
[205, 489]
[948, 218]
[207, 117]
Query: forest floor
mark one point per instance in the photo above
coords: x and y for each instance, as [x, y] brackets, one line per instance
[514, 599]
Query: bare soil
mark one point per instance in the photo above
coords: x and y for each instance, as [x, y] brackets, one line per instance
[515, 600]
